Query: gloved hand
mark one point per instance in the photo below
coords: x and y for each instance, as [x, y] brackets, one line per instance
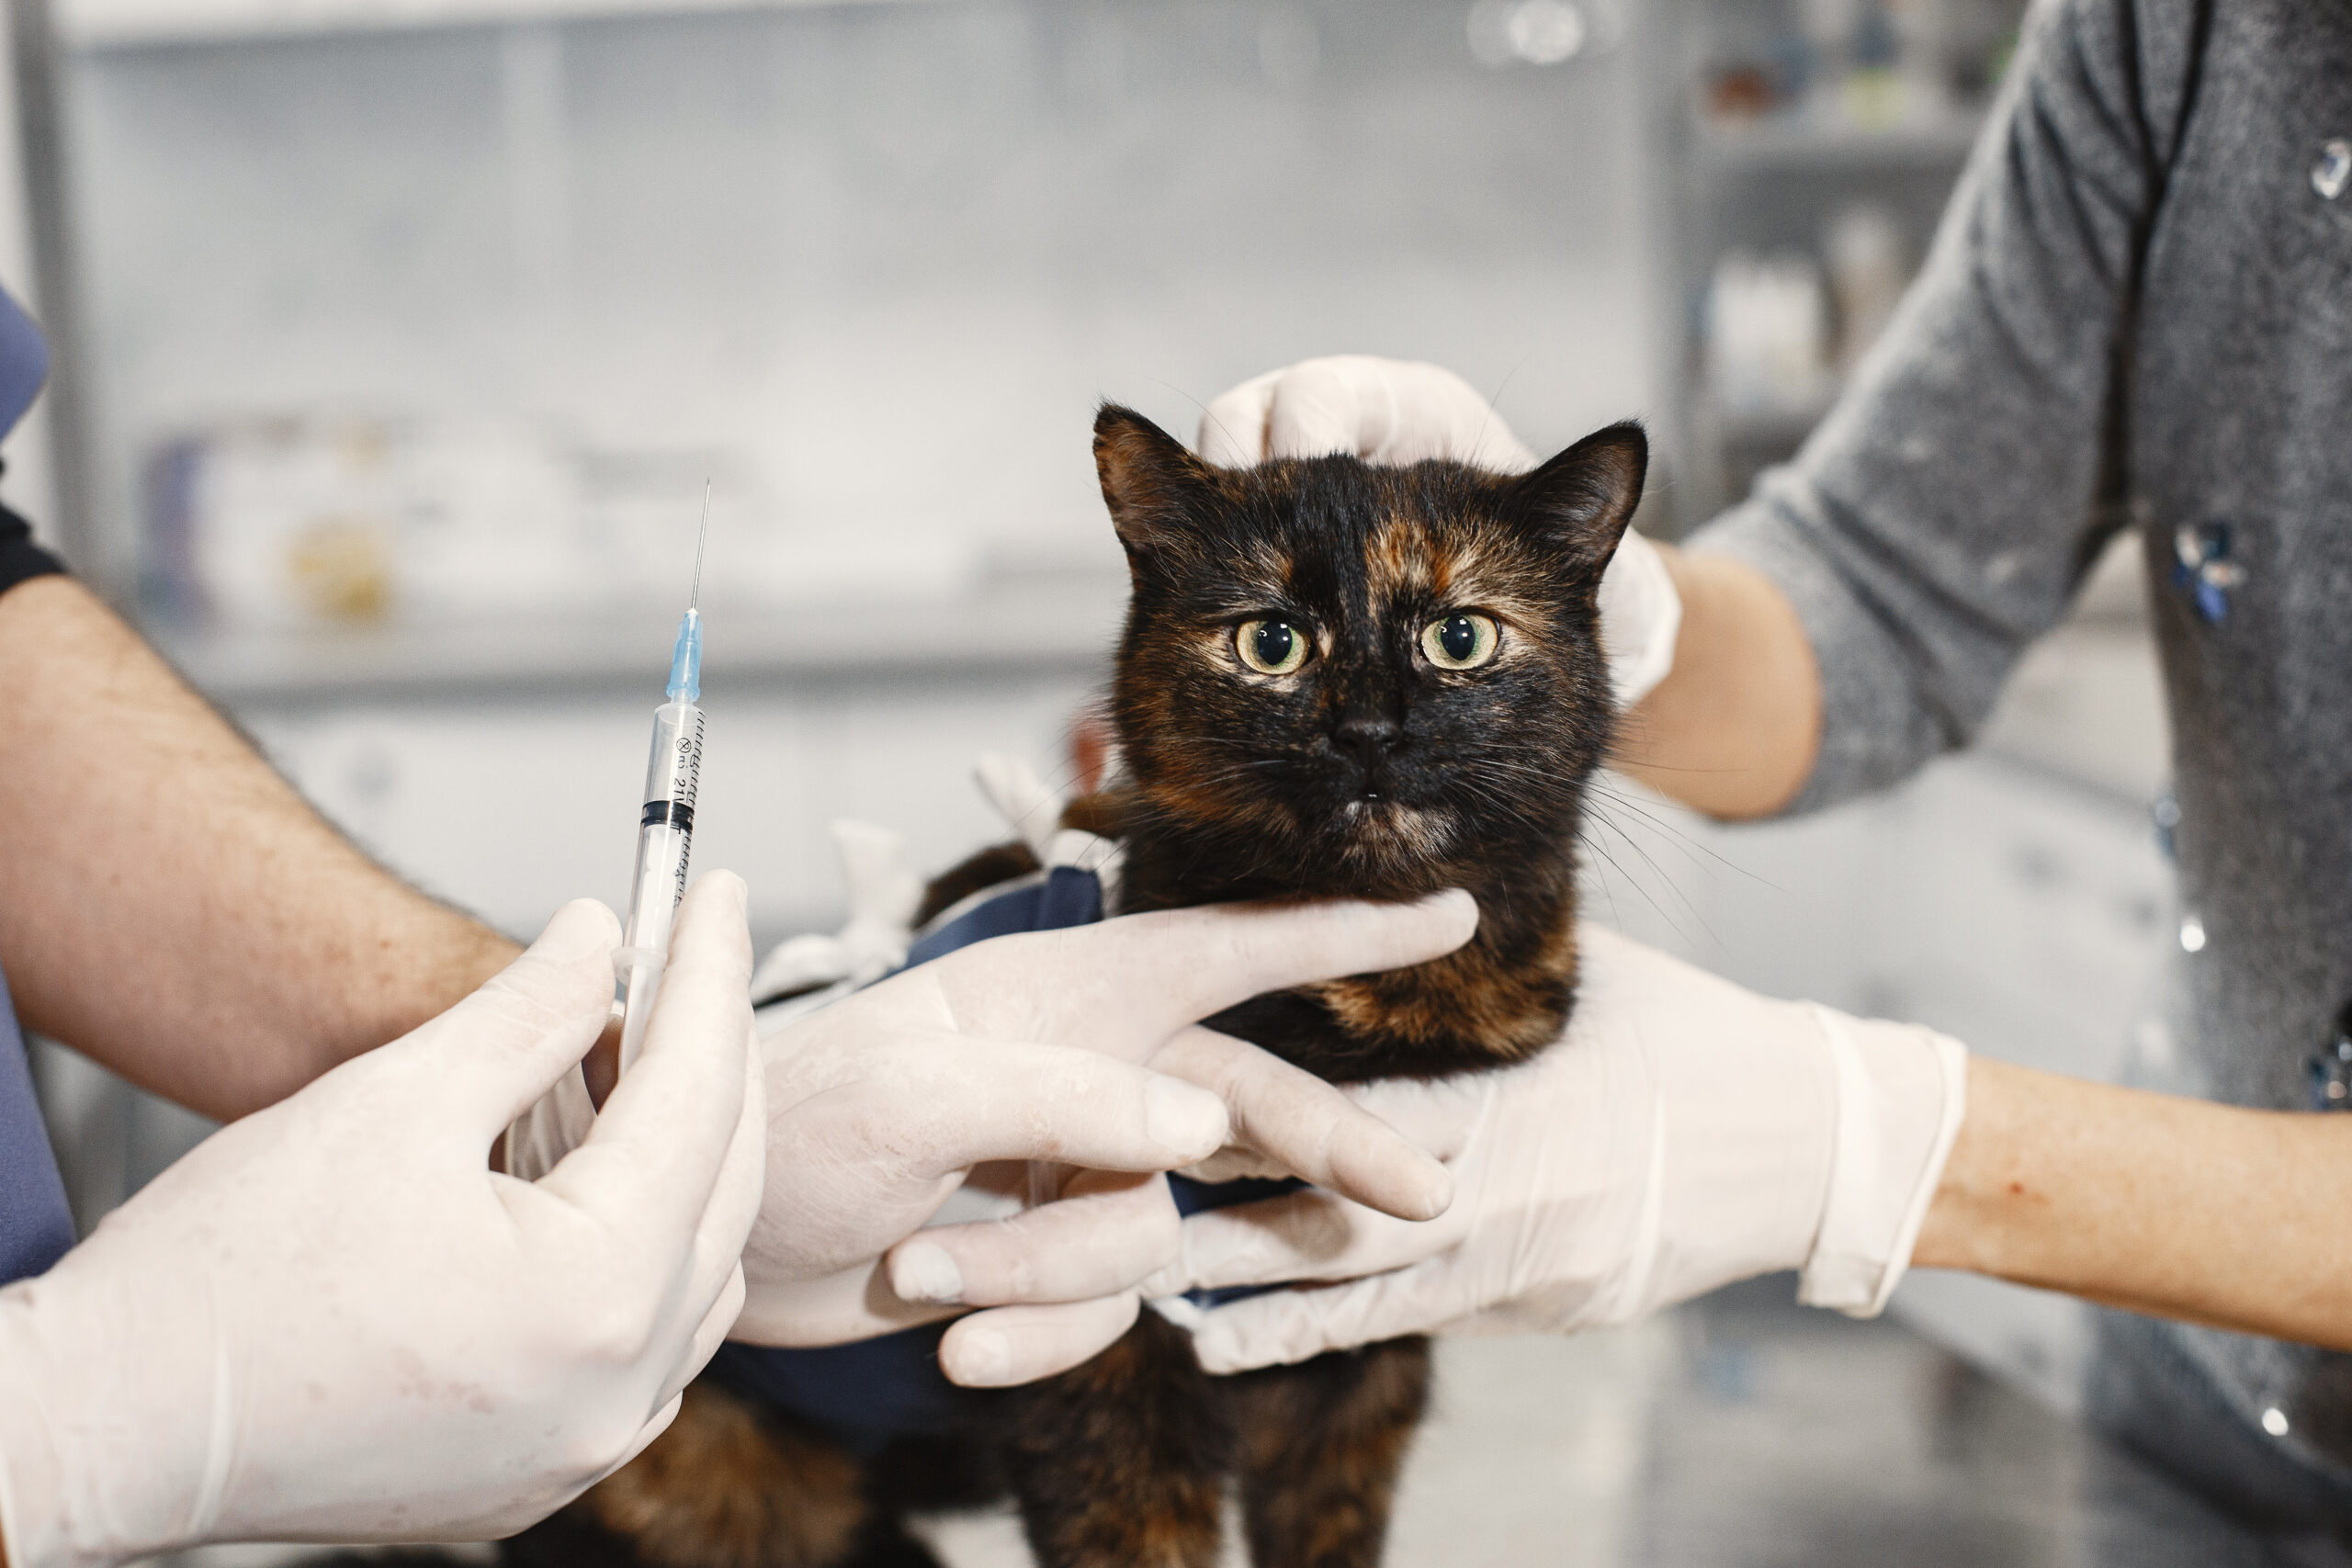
[1397, 412]
[1071, 1046]
[1684, 1133]
[332, 1322]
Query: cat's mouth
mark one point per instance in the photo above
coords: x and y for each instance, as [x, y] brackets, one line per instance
[1384, 828]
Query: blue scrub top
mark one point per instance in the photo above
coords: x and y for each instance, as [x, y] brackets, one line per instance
[36, 1226]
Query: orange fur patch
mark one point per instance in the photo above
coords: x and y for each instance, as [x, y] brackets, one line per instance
[721, 1490]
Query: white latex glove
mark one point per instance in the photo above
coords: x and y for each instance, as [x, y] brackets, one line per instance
[1399, 412]
[332, 1322]
[1683, 1134]
[1071, 1046]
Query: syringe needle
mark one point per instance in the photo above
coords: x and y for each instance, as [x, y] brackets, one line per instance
[693, 600]
[685, 659]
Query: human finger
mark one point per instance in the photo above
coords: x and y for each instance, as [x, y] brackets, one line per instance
[1439, 414]
[657, 1423]
[718, 1323]
[1310, 1128]
[1338, 404]
[1012, 1345]
[1437, 1116]
[489, 1058]
[1233, 427]
[735, 1196]
[1093, 1241]
[1305, 1235]
[1125, 986]
[1281, 1327]
[853, 1303]
[945, 1104]
[654, 1157]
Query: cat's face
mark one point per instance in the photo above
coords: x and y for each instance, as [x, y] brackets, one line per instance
[1343, 678]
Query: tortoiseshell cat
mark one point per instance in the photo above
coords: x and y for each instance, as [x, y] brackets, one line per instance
[1336, 680]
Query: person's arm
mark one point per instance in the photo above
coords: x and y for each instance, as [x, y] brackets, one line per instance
[168, 905]
[1944, 513]
[1688, 1133]
[2173, 1207]
[1734, 729]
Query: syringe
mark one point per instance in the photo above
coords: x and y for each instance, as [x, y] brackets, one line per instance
[665, 830]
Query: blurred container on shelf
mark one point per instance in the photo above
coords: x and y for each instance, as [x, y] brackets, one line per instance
[1768, 333]
[1870, 65]
[305, 521]
[1869, 263]
[1825, 129]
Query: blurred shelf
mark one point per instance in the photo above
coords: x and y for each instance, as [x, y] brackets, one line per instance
[1779, 429]
[1800, 145]
[130, 24]
[1058, 623]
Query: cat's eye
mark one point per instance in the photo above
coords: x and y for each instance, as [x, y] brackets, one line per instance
[1462, 640]
[1271, 648]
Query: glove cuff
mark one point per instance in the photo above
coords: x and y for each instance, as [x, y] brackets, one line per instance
[1901, 1093]
[1641, 616]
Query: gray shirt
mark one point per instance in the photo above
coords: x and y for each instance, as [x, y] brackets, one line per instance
[2137, 314]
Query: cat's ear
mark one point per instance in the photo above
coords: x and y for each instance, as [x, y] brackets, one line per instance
[1581, 501]
[1150, 481]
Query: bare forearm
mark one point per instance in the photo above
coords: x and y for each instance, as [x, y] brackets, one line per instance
[1733, 730]
[168, 905]
[2175, 1207]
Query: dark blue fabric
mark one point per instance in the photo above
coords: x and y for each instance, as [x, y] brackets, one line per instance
[1067, 898]
[24, 363]
[861, 1394]
[36, 1227]
[865, 1394]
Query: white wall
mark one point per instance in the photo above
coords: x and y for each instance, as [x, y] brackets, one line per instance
[887, 257]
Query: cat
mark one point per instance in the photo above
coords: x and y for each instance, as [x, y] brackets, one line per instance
[1336, 680]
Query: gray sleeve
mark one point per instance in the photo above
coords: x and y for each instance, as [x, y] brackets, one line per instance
[1944, 513]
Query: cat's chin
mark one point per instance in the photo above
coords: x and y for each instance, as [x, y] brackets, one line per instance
[1389, 837]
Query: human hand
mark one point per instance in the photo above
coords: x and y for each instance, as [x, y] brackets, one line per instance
[331, 1322]
[1399, 412]
[1684, 1133]
[1070, 1046]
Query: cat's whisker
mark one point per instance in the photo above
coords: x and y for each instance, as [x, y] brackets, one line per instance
[1491, 405]
[1683, 839]
[1664, 913]
[1661, 874]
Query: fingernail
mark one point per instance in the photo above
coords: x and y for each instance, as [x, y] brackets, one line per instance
[921, 1271]
[1177, 1116]
[983, 1359]
[579, 929]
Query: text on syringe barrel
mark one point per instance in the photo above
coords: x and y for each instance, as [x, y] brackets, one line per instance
[666, 831]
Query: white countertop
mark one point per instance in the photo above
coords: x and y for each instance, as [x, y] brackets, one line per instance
[1061, 621]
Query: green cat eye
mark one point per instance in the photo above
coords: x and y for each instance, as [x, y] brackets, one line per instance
[1271, 648]
[1462, 640]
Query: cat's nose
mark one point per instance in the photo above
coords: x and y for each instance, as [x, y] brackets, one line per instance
[1370, 739]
